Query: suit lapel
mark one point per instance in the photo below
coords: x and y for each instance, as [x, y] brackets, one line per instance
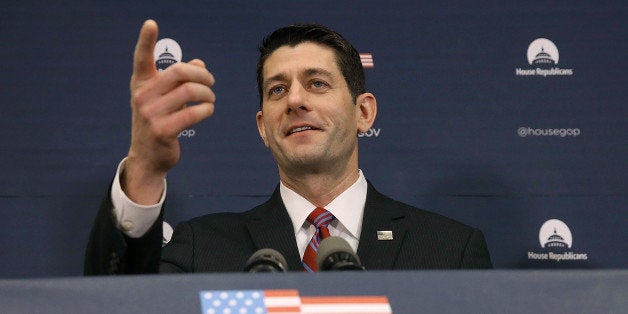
[380, 214]
[270, 227]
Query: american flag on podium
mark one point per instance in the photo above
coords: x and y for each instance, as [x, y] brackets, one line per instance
[288, 301]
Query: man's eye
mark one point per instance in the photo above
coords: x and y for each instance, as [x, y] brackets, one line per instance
[319, 84]
[277, 90]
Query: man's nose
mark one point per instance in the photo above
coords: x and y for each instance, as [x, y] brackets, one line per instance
[297, 98]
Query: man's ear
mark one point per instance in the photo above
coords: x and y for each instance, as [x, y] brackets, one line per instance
[260, 127]
[366, 110]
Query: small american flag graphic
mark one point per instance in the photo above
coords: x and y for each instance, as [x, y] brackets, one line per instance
[250, 302]
[367, 60]
[288, 301]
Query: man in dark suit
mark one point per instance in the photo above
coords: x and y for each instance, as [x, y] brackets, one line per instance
[313, 103]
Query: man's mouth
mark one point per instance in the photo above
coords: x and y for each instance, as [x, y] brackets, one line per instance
[301, 129]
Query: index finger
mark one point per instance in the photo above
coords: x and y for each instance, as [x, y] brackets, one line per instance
[143, 59]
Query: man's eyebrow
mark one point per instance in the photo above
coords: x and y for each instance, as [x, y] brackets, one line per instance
[307, 72]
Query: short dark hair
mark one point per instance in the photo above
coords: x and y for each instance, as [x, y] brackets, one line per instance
[347, 57]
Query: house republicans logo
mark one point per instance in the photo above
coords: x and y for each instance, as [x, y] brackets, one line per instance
[167, 52]
[556, 241]
[543, 58]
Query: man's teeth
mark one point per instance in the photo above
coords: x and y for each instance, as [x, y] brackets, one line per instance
[303, 128]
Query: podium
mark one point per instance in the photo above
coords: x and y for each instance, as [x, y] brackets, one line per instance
[490, 291]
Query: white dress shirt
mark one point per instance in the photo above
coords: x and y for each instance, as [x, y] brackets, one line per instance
[348, 208]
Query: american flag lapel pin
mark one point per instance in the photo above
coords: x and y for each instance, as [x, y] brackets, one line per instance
[384, 235]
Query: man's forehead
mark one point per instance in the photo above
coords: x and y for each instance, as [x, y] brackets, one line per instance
[304, 57]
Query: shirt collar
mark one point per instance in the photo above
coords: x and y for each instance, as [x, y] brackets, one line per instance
[348, 207]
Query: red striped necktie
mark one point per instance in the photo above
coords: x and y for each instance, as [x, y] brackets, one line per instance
[320, 218]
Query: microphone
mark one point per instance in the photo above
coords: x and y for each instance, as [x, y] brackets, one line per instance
[265, 261]
[335, 253]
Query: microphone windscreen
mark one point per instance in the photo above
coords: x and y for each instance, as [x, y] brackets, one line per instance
[266, 260]
[335, 253]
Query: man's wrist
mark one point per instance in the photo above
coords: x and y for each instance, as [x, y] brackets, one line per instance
[141, 186]
[132, 218]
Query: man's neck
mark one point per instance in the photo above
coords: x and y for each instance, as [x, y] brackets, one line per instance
[320, 188]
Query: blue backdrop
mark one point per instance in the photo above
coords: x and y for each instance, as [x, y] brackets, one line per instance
[468, 125]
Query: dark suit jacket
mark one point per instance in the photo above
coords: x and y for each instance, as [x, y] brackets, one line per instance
[223, 242]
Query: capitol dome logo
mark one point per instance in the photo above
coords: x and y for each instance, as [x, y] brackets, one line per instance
[167, 52]
[543, 56]
[555, 234]
[166, 233]
[542, 52]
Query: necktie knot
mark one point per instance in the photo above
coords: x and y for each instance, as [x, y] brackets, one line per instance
[320, 217]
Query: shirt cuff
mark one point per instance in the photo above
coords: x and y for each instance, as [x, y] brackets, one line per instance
[133, 219]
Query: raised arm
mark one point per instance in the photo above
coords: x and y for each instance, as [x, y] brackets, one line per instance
[159, 113]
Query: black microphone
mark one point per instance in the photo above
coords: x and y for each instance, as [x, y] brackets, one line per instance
[334, 253]
[265, 261]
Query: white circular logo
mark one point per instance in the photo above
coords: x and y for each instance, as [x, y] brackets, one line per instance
[555, 234]
[167, 233]
[167, 52]
[542, 51]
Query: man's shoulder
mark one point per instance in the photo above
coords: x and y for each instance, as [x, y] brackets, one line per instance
[430, 240]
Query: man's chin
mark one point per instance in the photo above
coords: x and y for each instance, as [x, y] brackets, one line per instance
[305, 161]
